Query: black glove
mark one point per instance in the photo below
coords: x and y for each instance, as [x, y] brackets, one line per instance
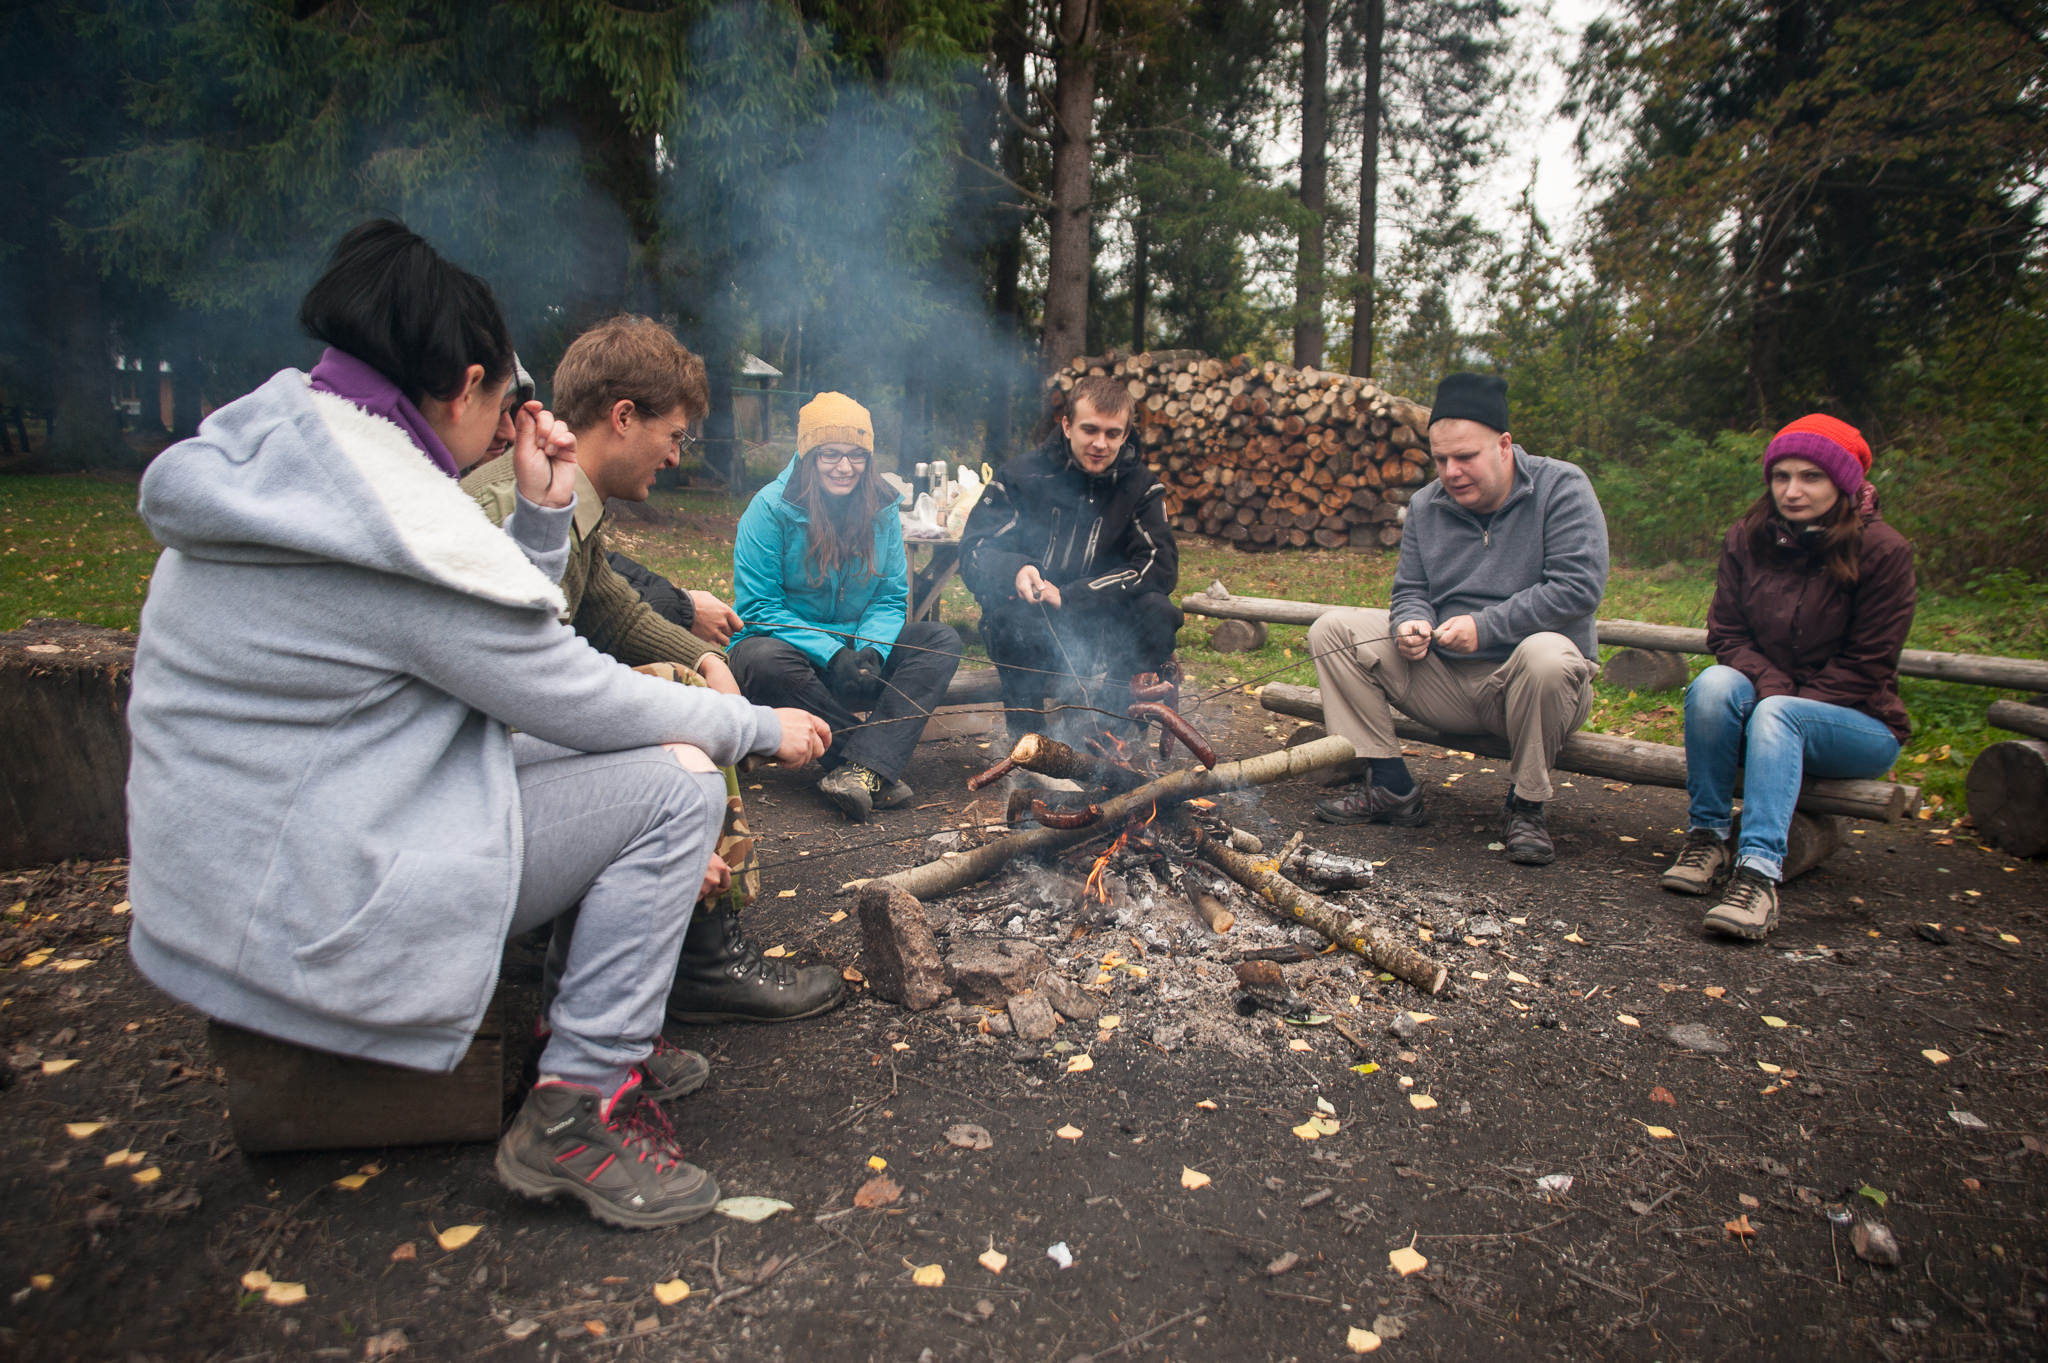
[842, 675]
[871, 675]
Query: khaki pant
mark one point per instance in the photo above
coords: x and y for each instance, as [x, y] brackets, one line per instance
[1535, 699]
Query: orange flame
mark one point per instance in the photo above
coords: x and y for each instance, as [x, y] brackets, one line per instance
[1098, 884]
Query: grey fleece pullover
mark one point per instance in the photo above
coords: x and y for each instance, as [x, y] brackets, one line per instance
[1538, 564]
[323, 812]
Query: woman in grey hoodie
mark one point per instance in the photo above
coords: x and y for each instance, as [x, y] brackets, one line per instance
[367, 749]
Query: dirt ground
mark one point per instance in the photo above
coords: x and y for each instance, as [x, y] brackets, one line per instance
[1872, 1070]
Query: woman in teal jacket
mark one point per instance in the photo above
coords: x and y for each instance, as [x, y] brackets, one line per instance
[820, 578]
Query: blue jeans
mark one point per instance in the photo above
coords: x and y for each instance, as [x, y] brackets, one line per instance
[1777, 742]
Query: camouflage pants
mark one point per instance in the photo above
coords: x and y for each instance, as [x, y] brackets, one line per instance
[735, 841]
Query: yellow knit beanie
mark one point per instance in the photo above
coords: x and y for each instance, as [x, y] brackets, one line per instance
[834, 419]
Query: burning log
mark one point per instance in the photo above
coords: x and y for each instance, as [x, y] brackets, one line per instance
[993, 774]
[1050, 757]
[1398, 959]
[1216, 914]
[936, 878]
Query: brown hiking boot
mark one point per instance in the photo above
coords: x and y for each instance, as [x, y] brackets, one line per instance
[1526, 835]
[616, 1155]
[1748, 910]
[1699, 863]
[1368, 803]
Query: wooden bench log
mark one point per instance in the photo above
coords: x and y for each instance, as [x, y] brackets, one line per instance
[63, 741]
[287, 1097]
[2020, 717]
[2007, 789]
[1973, 669]
[1623, 759]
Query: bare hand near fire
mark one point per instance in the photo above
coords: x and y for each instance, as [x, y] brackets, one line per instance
[1032, 587]
[714, 621]
[1412, 638]
[543, 456]
[717, 878]
[804, 738]
[1459, 634]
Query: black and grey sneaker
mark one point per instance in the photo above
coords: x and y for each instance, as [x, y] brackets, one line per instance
[616, 1155]
[1699, 863]
[1368, 803]
[1748, 908]
[1522, 829]
[894, 794]
[852, 790]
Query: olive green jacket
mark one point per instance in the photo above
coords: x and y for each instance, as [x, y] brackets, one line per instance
[603, 607]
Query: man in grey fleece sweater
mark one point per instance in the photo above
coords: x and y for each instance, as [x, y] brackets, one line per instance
[1503, 564]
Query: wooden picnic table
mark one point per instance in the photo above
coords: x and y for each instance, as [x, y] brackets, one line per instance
[928, 582]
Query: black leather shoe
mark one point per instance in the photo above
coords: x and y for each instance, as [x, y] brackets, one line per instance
[721, 977]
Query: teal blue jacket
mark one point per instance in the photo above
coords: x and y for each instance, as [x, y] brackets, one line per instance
[773, 592]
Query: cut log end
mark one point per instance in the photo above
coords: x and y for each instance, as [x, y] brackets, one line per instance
[2008, 793]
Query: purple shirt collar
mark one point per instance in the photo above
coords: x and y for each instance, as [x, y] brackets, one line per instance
[345, 376]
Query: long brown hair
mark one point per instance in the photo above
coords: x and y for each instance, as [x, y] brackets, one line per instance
[842, 528]
[1841, 534]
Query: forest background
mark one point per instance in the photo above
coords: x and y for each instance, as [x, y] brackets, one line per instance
[1789, 206]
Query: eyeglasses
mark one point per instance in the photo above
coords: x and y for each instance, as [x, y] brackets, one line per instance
[685, 440]
[854, 461]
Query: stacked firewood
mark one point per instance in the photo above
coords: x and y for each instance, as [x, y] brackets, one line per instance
[1265, 456]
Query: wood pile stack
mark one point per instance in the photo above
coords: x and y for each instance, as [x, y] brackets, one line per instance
[1265, 456]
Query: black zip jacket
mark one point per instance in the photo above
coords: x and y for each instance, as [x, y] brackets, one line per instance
[1100, 533]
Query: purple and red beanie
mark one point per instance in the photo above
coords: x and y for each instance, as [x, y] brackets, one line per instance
[1837, 447]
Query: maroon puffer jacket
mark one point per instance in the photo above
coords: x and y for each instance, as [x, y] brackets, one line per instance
[1781, 621]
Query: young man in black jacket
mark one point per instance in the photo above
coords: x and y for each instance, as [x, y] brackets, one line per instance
[1073, 562]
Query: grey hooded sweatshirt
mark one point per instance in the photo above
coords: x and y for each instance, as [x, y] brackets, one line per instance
[1537, 564]
[323, 811]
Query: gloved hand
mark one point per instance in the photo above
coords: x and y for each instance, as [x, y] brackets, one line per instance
[843, 676]
[871, 676]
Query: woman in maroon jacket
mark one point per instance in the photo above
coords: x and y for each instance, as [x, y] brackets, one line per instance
[1811, 607]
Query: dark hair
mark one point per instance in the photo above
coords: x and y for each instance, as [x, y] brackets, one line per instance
[842, 528]
[390, 300]
[1841, 534]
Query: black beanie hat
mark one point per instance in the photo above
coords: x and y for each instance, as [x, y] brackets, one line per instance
[1472, 397]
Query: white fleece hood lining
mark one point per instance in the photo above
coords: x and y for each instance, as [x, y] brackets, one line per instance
[438, 523]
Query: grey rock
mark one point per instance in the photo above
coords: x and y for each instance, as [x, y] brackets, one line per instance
[1032, 1016]
[903, 961]
[1640, 669]
[1405, 1027]
[999, 1025]
[1071, 1000]
[938, 844]
[1170, 1036]
[1875, 1244]
[1695, 1036]
[1484, 927]
[942, 917]
[991, 972]
[1239, 636]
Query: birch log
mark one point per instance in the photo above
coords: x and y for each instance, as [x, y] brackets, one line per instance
[1347, 931]
[948, 874]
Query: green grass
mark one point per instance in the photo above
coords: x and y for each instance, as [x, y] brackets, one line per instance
[74, 549]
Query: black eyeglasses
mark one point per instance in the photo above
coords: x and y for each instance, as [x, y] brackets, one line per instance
[855, 460]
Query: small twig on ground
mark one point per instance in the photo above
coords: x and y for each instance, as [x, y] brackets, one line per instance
[1141, 1337]
[1508, 1234]
[1983, 1321]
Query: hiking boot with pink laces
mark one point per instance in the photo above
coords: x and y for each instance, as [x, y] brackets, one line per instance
[617, 1155]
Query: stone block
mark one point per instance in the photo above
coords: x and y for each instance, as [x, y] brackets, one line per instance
[1032, 1016]
[1069, 998]
[991, 971]
[903, 961]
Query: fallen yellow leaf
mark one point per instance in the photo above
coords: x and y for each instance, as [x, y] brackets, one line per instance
[405, 1253]
[1080, 1064]
[1193, 1178]
[1421, 1102]
[671, 1292]
[1628, 1020]
[1326, 1126]
[1109, 1022]
[78, 1131]
[1297, 1044]
[839, 917]
[783, 894]
[42, 1282]
[931, 1275]
[899, 1045]
[994, 1260]
[121, 907]
[1517, 977]
[1662, 1133]
[72, 963]
[1935, 1057]
[852, 976]
[122, 1156]
[595, 1327]
[255, 1280]
[455, 1237]
[1361, 1340]
[1421, 1017]
[1768, 1068]
[2006, 936]
[146, 1176]
[352, 1182]
[1069, 1132]
[57, 1066]
[877, 1163]
[1308, 1132]
[1713, 991]
[1739, 1227]
[1574, 938]
[284, 1294]
[776, 952]
[36, 958]
[1406, 1260]
[1207, 1105]
[1775, 1022]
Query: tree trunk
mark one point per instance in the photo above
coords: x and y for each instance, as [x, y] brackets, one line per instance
[1368, 190]
[1141, 242]
[83, 431]
[1315, 146]
[1078, 26]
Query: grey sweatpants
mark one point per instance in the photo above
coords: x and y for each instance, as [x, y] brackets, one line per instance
[620, 841]
[1535, 699]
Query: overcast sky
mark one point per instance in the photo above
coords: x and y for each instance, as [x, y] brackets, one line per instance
[1547, 35]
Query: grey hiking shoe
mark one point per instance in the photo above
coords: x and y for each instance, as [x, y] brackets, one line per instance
[852, 789]
[1368, 803]
[1522, 829]
[616, 1155]
[1699, 863]
[671, 1072]
[1748, 909]
[894, 794]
